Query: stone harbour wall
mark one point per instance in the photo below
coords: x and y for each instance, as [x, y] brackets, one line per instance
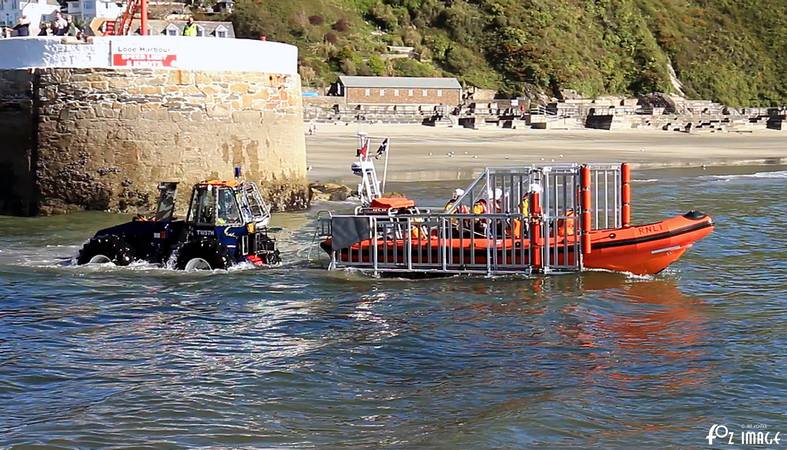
[79, 138]
[17, 141]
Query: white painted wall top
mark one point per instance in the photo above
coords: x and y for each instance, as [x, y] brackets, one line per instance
[165, 52]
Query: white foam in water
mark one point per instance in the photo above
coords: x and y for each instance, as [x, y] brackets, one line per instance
[628, 275]
[774, 174]
[647, 180]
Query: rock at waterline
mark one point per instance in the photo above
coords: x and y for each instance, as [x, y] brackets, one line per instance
[329, 192]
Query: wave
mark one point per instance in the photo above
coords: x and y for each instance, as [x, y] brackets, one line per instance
[646, 180]
[774, 174]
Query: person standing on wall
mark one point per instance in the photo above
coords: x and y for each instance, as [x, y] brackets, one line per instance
[59, 25]
[22, 27]
[71, 27]
[190, 29]
[46, 29]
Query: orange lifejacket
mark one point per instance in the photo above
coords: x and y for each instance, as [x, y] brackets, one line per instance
[516, 228]
[416, 231]
[566, 226]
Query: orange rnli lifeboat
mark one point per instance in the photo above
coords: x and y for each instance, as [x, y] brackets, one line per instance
[534, 219]
[642, 250]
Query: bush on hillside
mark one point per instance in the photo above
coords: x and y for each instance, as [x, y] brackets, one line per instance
[407, 67]
[376, 65]
[331, 37]
[341, 25]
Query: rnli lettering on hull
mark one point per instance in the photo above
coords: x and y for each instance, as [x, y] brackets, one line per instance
[650, 229]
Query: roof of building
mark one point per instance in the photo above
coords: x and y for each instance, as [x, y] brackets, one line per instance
[399, 82]
[156, 27]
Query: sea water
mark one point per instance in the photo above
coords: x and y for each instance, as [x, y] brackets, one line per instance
[299, 356]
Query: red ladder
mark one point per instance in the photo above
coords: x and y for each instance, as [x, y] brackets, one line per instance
[122, 26]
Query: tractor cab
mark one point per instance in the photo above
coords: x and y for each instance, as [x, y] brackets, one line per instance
[217, 203]
[227, 220]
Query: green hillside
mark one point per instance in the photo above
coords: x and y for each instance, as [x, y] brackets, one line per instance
[731, 51]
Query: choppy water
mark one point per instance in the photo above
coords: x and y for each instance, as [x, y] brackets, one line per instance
[300, 357]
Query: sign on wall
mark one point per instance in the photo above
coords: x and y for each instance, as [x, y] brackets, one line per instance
[143, 56]
[161, 52]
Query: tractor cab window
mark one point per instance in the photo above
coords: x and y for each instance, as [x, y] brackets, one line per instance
[229, 213]
[203, 206]
[259, 210]
[245, 208]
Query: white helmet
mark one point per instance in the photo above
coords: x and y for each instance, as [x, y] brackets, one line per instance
[535, 187]
[498, 193]
[459, 192]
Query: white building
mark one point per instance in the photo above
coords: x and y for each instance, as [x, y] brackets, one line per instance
[34, 10]
[88, 9]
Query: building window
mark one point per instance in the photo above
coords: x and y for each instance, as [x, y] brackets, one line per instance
[396, 92]
[89, 5]
[367, 92]
[425, 92]
[171, 30]
[221, 32]
[200, 31]
[439, 92]
[409, 92]
[382, 92]
[14, 4]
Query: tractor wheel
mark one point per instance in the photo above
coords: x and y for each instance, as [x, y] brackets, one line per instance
[273, 258]
[104, 249]
[269, 253]
[204, 254]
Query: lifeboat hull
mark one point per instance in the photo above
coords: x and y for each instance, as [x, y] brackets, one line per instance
[642, 250]
[646, 249]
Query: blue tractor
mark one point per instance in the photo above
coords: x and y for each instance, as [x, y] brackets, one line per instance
[226, 224]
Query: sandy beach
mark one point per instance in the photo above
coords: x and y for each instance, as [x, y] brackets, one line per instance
[420, 153]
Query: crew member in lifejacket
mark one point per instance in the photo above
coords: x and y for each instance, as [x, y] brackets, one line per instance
[479, 208]
[498, 200]
[524, 210]
[451, 207]
[501, 225]
[450, 204]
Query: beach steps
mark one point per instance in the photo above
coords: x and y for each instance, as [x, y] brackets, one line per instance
[688, 117]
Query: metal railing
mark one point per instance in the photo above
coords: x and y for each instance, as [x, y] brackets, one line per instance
[606, 196]
[520, 220]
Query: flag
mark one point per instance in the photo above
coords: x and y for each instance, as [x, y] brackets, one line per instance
[364, 149]
[383, 147]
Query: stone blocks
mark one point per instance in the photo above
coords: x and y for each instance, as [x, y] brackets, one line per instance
[103, 138]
